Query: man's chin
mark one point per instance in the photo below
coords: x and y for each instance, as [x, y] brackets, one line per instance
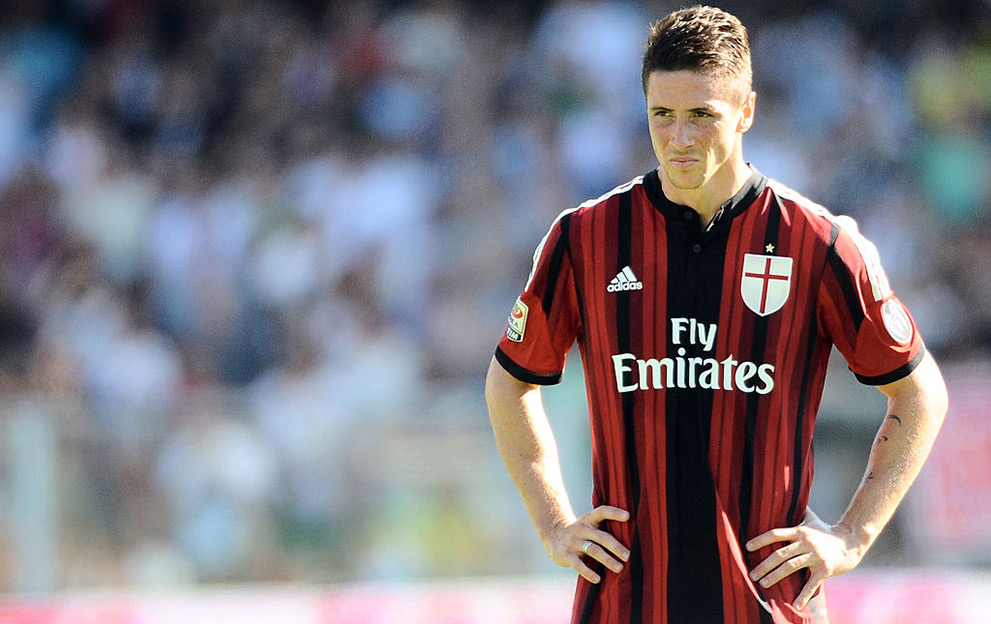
[684, 180]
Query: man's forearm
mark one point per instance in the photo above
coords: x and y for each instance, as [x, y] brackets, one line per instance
[916, 407]
[526, 444]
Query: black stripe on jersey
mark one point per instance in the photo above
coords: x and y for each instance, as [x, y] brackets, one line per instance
[900, 373]
[753, 399]
[694, 578]
[844, 279]
[624, 255]
[590, 598]
[523, 374]
[555, 267]
[794, 514]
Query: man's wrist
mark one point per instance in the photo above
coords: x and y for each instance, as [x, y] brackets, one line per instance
[858, 535]
[545, 529]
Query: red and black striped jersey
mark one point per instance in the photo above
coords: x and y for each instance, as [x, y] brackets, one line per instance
[705, 352]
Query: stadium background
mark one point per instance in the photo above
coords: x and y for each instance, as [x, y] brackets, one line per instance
[255, 256]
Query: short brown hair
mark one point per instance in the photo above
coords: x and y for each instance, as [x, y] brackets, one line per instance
[702, 39]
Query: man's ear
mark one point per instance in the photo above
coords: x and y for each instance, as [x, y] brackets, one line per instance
[747, 113]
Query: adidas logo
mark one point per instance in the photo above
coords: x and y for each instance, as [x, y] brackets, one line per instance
[624, 280]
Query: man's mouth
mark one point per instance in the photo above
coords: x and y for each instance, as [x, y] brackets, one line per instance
[683, 162]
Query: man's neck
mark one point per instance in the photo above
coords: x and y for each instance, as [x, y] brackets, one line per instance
[708, 199]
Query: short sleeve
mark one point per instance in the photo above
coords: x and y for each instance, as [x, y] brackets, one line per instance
[545, 319]
[860, 313]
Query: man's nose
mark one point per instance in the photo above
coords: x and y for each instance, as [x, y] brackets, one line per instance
[681, 135]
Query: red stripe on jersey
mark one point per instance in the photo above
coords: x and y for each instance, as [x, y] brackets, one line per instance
[726, 439]
[653, 478]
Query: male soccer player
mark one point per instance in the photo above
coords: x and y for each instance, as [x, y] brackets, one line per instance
[705, 300]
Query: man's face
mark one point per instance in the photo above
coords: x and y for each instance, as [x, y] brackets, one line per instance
[696, 122]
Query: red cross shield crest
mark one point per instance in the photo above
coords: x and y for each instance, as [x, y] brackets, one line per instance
[766, 282]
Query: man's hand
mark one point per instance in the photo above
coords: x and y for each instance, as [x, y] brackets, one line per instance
[825, 550]
[568, 544]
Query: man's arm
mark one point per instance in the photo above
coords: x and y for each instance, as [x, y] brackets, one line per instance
[526, 443]
[916, 407]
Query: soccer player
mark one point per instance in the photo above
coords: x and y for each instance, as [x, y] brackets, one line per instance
[705, 300]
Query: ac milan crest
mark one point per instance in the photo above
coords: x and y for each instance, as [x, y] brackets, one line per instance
[766, 282]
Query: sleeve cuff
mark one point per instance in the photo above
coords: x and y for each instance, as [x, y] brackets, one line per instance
[899, 373]
[523, 374]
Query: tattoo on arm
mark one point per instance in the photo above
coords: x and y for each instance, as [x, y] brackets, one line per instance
[881, 436]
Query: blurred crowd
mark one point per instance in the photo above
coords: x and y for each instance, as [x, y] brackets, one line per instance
[255, 255]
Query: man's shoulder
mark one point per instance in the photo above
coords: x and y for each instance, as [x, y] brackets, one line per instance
[576, 215]
[805, 211]
[796, 201]
[608, 199]
[829, 227]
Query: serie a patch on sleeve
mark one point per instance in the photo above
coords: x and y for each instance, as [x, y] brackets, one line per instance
[517, 321]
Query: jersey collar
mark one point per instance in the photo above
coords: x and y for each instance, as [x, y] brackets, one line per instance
[732, 207]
